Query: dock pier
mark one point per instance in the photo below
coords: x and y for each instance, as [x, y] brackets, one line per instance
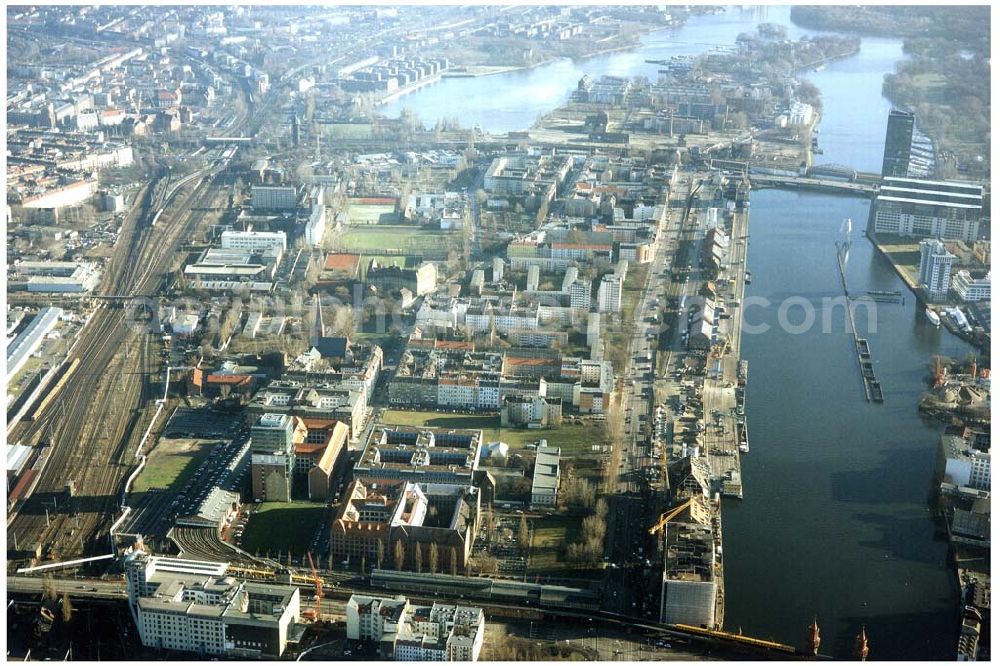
[873, 388]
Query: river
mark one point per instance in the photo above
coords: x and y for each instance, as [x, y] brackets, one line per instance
[834, 522]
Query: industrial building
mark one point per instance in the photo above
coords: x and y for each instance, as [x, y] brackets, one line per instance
[57, 276]
[18, 457]
[264, 197]
[232, 270]
[690, 584]
[255, 241]
[404, 632]
[194, 606]
[30, 339]
[545, 480]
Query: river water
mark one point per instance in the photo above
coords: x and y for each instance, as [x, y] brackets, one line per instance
[834, 522]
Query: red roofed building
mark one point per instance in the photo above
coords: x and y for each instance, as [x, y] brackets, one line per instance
[323, 471]
[164, 99]
[221, 386]
[310, 446]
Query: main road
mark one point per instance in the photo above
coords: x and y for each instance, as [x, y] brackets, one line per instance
[629, 589]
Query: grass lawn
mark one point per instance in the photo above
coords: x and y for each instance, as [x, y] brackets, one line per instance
[346, 130]
[549, 538]
[573, 439]
[279, 527]
[366, 260]
[372, 214]
[172, 462]
[635, 280]
[904, 254]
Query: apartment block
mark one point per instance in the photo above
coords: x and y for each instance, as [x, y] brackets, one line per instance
[404, 632]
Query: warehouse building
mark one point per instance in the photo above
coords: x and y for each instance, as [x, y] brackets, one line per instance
[58, 276]
[273, 198]
[689, 589]
[30, 339]
[545, 480]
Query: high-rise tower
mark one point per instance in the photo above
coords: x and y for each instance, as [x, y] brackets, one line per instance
[898, 142]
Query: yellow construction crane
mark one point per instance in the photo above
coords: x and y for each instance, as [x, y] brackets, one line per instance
[319, 588]
[670, 515]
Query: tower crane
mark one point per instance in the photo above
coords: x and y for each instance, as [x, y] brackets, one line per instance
[315, 611]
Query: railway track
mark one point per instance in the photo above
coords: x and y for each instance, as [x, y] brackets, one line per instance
[93, 425]
[203, 543]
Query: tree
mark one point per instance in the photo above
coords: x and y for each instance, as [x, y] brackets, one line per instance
[453, 560]
[523, 535]
[418, 557]
[49, 588]
[379, 553]
[485, 563]
[67, 608]
[400, 555]
[488, 522]
[432, 563]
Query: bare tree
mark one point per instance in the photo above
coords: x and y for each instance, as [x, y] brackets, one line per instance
[379, 553]
[432, 563]
[400, 555]
[67, 608]
[49, 588]
[418, 557]
[486, 564]
[523, 535]
[453, 560]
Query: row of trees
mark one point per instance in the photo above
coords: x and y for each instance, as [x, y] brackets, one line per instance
[426, 556]
[590, 548]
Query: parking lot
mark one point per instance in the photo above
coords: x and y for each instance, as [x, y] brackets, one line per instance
[202, 423]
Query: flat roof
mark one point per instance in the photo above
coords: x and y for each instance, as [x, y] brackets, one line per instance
[929, 202]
